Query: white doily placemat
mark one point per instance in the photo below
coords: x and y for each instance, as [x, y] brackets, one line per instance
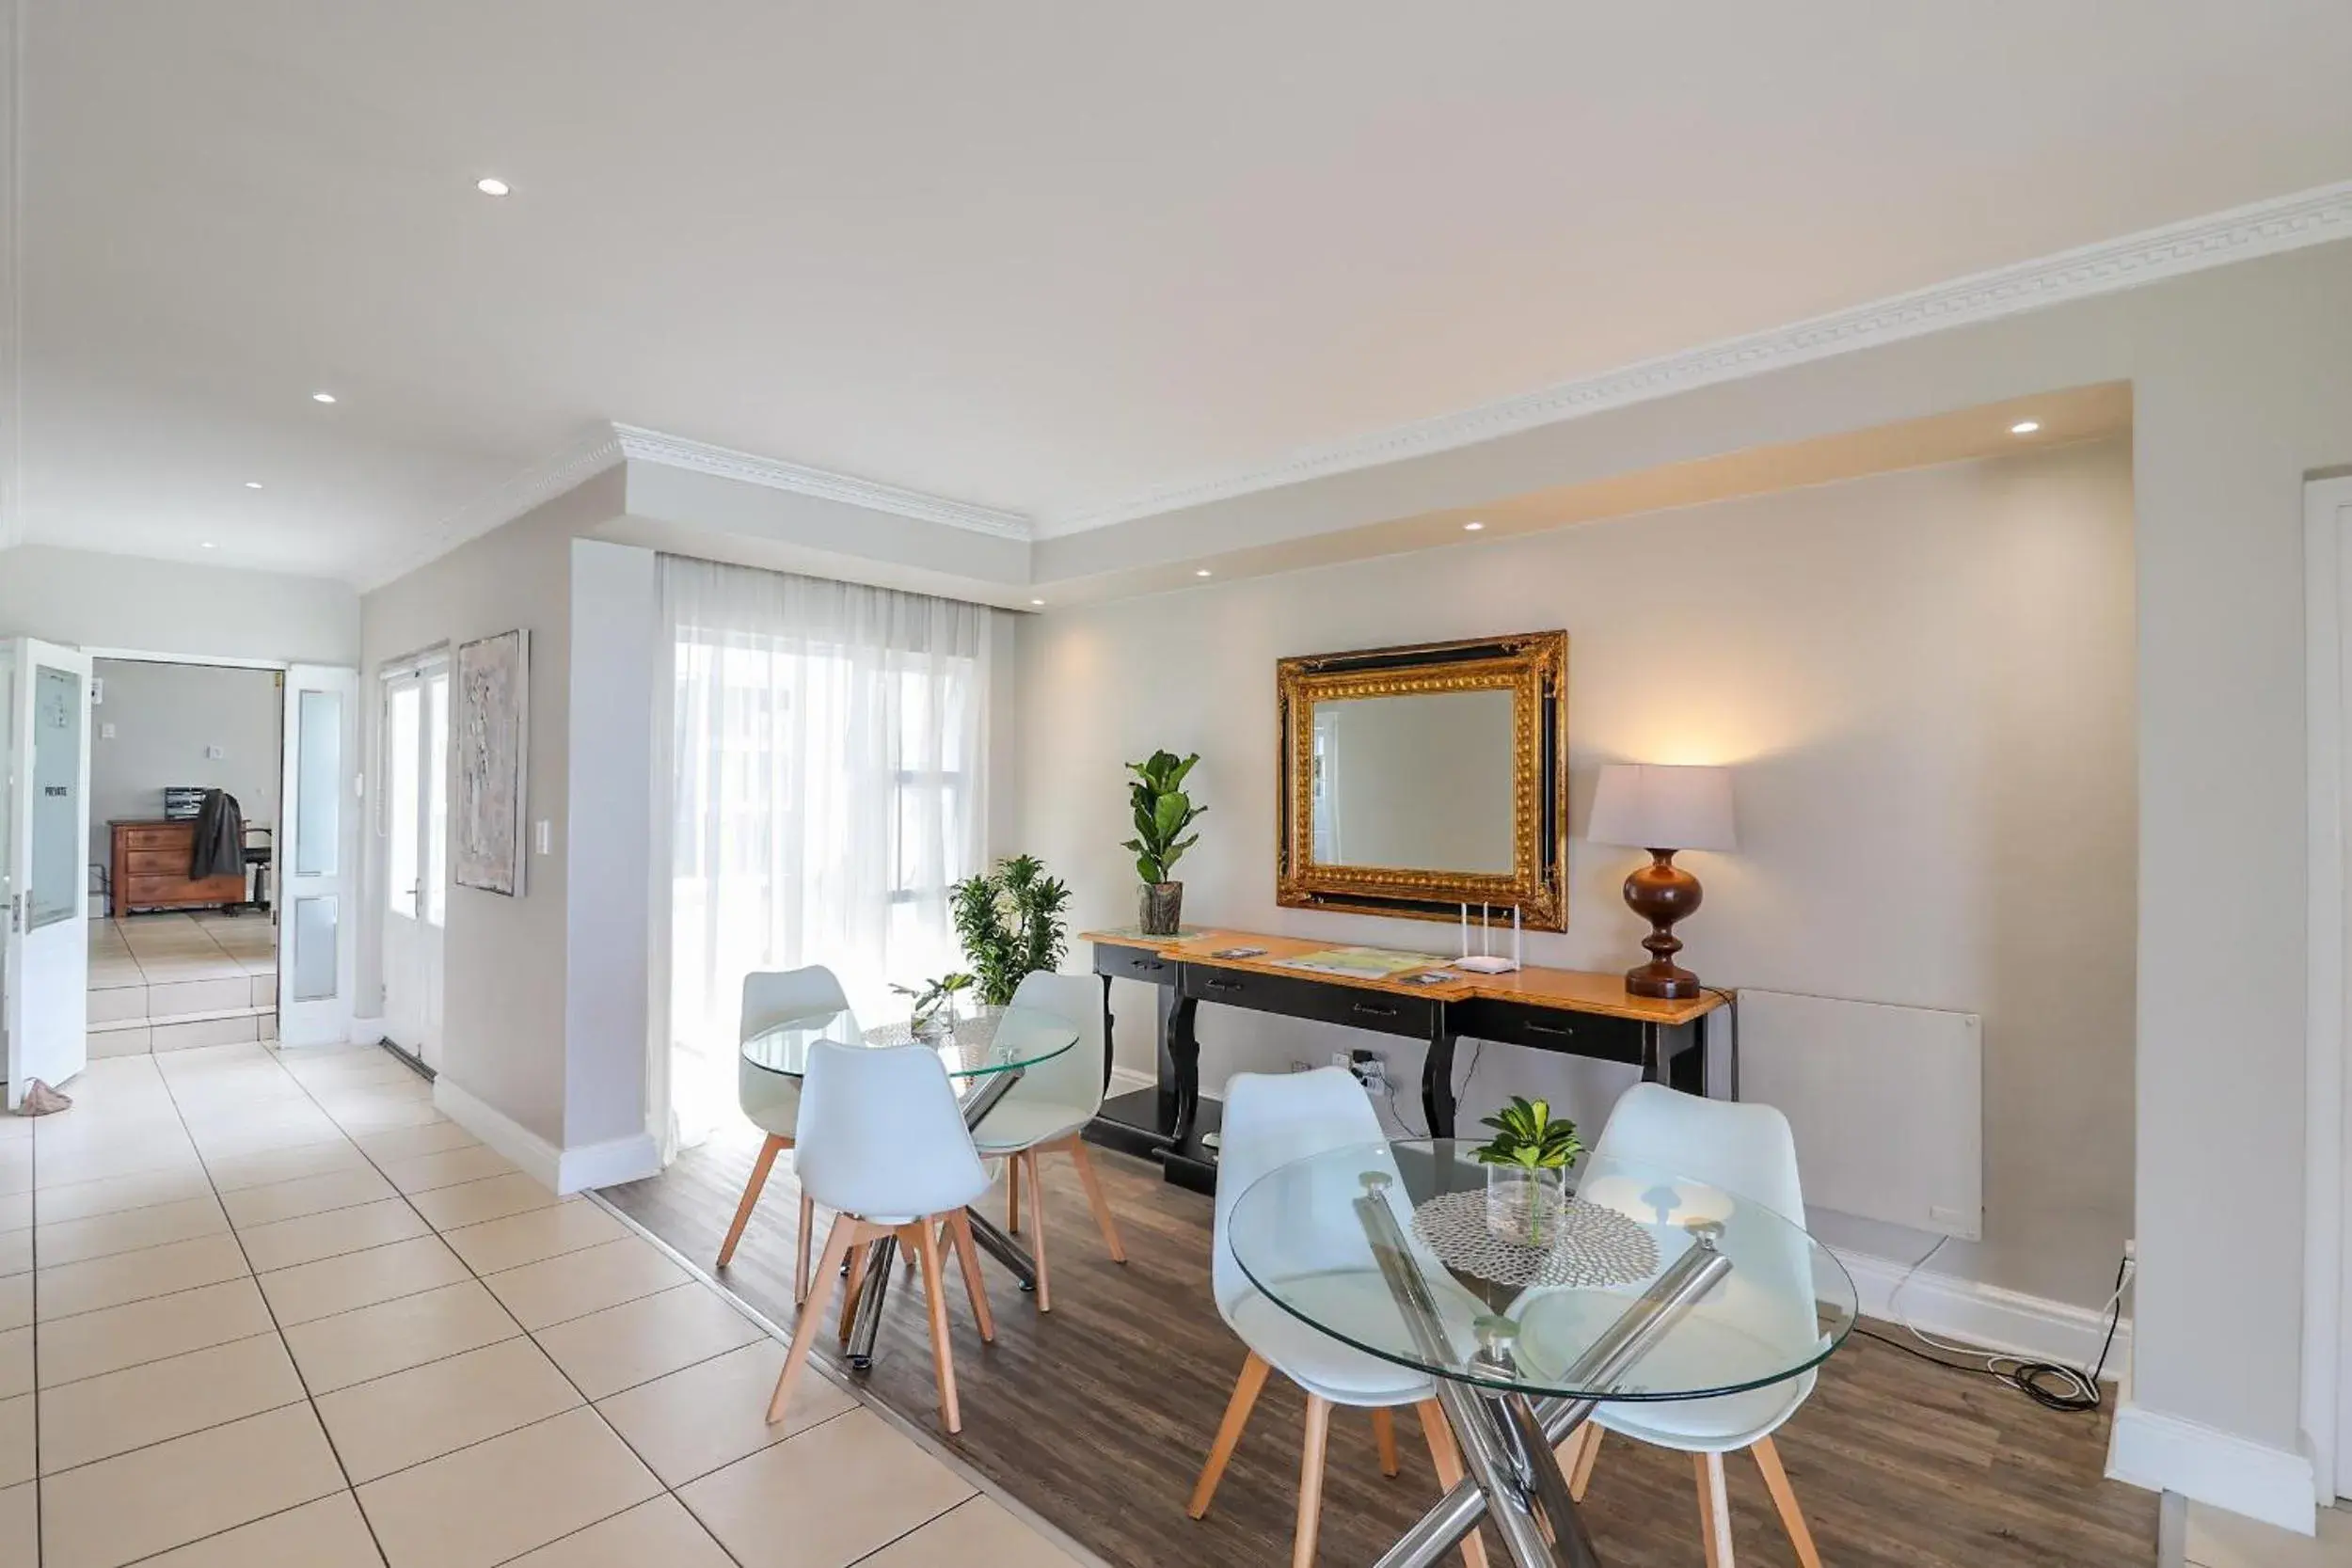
[1592, 1246]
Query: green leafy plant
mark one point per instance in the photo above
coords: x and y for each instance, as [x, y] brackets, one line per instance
[1163, 812]
[1010, 921]
[931, 996]
[1527, 1136]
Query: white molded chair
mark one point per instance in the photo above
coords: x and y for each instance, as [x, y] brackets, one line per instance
[1047, 1112]
[1748, 1151]
[1271, 1120]
[771, 1102]
[885, 1148]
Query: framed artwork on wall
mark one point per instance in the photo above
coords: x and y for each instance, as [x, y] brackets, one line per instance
[493, 743]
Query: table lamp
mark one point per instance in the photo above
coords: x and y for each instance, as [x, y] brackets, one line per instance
[1664, 810]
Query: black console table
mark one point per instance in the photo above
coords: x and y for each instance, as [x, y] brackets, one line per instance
[1547, 1009]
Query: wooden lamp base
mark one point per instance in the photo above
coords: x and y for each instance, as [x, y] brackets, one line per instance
[1663, 892]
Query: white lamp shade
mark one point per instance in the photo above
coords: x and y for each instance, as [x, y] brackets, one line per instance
[1648, 806]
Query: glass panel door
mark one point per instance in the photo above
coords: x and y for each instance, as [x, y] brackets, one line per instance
[44, 978]
[316, 965]
[414, 824]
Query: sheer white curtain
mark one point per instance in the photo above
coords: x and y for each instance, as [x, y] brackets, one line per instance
[827, 745]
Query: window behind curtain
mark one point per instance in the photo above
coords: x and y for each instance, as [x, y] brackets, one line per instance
[827, 748]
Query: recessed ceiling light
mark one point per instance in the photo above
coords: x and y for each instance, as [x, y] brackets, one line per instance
[253, 485]
[1202, 573]
[1472, 528]
[2025, 427]
[1037, 601]
[322, 397]
[207, 545]
[492, 185]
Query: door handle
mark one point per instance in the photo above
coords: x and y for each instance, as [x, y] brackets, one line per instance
[1225, 985]
[1533, 1028]
[1373, 1011]
[1150, 963]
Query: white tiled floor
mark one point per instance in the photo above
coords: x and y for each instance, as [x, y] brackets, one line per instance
[259, 1311]
[2222, 1540]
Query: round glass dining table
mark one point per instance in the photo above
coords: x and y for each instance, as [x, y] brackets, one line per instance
[1002, 1041]
[1633, 1284]
[984, 1056]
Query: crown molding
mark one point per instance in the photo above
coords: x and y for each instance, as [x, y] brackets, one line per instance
[2242, 234]
[676, 452]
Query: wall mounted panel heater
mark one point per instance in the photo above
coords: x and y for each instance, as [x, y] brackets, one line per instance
[1887, 1104]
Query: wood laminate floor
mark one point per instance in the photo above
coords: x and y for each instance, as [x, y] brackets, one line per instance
[1098, 1413]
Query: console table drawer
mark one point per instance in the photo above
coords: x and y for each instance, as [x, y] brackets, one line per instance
[1320, 998]
[1611, 1040]
[1133, 963]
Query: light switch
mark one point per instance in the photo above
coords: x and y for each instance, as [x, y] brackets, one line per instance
[105, 732]
[543, 836]
[214, 753]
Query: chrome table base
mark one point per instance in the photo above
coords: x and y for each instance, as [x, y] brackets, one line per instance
[1507, 1440]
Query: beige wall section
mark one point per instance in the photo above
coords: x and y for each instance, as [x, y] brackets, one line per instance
[163, 717]
[2242, 384]
[503, 985]
[1924, 681]
[169, 607]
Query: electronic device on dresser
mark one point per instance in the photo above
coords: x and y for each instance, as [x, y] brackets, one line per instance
[1547, 1009]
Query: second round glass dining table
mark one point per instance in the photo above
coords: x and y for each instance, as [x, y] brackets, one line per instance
[1635, 1284]
[984, 1056]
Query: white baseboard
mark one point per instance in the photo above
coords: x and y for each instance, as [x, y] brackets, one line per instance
[2167, 1453]
[367, 1029]
[563, 1170]
[539, 1158]
[609, 1164]
[1950, 1307]
[1125, 1079]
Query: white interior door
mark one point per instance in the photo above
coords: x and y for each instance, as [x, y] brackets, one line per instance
[45, 980]
[318, 854]
[413, 807]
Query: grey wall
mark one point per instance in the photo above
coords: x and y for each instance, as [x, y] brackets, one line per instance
[164, 716]
[161, 607]
[1924, 684]
[503, 987]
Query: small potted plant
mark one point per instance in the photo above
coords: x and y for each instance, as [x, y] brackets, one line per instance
[1162, 811]
[933, 1010]
[1527, 1164]
[1010, 921]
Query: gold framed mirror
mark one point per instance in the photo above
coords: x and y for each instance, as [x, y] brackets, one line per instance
[1416, 780]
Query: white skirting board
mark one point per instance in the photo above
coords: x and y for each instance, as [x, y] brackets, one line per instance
[1951, 1308]
[2167, 1453]
[567, 1171]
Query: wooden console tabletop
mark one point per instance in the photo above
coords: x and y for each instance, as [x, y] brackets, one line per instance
[1561, 1010]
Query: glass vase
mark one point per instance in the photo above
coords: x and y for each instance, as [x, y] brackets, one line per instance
[1526, 1207]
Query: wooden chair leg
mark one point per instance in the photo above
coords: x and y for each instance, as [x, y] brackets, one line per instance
[1383, 1434]
[1310, 1482]
[1036, 1242]
[837, 1240]
[918, 1236]
[768, 1153]
[1229, 1431]
[1445, 1457]
[968, 1253]
[800, 1264]
[1784, 1499]
[1012, 1195]
[1095, 1199]
[1581, 1476]
[1714, 1508]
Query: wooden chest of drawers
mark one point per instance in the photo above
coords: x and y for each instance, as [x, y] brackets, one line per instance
[150, 869]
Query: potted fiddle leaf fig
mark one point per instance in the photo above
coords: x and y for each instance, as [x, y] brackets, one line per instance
[1527, 1164]
[1010, 920]
[1162, 813]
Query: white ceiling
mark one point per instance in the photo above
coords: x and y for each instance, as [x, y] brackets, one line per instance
[1053, 259]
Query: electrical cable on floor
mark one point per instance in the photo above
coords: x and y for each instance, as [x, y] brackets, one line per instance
[2052, 1384]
